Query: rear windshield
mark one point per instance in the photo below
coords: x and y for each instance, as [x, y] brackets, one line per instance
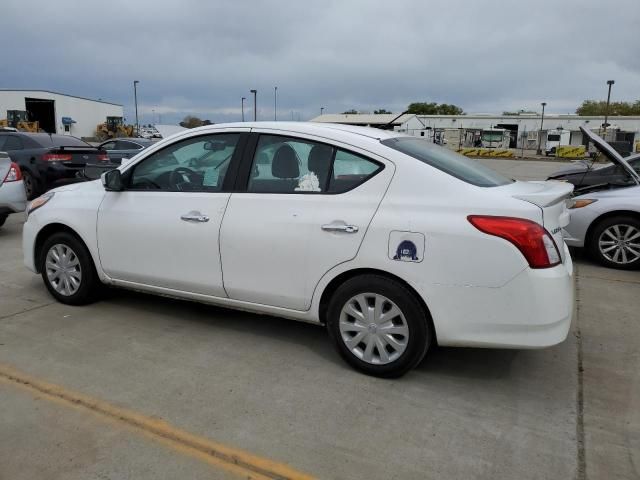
[60, 141]
[456, 165]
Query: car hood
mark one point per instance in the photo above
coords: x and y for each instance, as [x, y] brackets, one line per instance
[620, 192]
[79, 186]
[610, 153]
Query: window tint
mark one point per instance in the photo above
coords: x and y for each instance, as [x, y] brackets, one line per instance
[124, 145]
[350, 170]
[456, 165]
[12, 143]
[194, 165]
[290, 165]
[108, 146]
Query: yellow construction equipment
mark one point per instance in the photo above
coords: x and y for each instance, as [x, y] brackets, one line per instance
[112, 128]
[23, 126]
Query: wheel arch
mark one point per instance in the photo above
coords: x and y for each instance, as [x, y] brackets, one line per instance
[339, 279]
[48, 230]
[614, 213]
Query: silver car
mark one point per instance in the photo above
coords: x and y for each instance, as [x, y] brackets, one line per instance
[605, 218]
[13, 198]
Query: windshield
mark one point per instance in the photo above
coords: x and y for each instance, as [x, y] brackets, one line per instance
[456, 165]
[553, 137]
[492, 136]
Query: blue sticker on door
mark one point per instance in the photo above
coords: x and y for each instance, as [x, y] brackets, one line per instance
[406, 246]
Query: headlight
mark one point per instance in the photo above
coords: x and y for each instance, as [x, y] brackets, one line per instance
[581, 202]
[39, 202]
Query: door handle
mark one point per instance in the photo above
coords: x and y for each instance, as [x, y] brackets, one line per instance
[194, 217]
[340, 228]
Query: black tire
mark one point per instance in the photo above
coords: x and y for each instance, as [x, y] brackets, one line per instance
[3, 218]
[418, 324]
[31, 186]
[623, 222]
[89, 283]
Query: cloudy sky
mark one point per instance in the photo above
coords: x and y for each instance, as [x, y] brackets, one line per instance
[201, 57]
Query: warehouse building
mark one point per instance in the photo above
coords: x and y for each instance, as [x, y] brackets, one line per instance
[523, 130]
[56, 112]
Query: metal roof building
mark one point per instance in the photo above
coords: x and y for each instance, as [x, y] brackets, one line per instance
[57, 112]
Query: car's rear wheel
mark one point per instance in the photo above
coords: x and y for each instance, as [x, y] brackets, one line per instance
[3, 218]
[30, 185]
[378, 326]
[67, 269]
[615, 242]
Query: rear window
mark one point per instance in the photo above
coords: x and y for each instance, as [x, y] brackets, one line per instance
[60, 141]
[456, 165]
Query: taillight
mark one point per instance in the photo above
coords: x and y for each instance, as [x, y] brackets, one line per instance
[14, 174]
[103, 157]
[535, 243]
[57, 157]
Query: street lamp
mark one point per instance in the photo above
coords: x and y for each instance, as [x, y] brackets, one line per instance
[321, 110]
[539, 152]
[255, 103]
[275, 103]
[135, 100]
[242, 103]
[606, 111]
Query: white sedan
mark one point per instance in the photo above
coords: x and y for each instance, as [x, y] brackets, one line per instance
[392, 242]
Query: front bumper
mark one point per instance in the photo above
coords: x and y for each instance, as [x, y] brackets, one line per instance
[30, 230]
[533, 310]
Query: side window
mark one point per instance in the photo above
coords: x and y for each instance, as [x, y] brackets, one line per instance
[196, 164]
[123, 145]
[12, 143]
[108, 146]
[350, 170]
[290, 165]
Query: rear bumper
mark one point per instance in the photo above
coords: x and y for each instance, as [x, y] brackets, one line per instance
[12, 197]
[533, 310]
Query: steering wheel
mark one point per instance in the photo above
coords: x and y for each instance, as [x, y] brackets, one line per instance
[179, 176]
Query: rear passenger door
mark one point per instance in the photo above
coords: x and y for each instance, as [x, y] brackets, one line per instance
[302, 207]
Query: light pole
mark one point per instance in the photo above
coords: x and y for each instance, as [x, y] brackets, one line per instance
[539, 152]
[153, 115]
[275, 103]
[606, 111]
[255, 103]
[321, 110]
[242, 103]
[135, 101]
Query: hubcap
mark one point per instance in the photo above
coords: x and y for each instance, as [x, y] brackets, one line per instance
[620, 244]
[373, 328]
[63, 269]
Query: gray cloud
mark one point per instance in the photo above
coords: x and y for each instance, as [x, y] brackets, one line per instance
[196, 57]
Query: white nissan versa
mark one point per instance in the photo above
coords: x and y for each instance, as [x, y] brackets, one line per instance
[392, 242]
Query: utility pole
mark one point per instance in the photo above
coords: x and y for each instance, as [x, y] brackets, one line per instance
[275, 103]
[539, 152]
[321, 110]
[255, 104]
[242, 103]
[135, 101]
[606, 111]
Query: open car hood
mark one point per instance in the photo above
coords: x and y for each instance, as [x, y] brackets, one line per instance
[610, 153]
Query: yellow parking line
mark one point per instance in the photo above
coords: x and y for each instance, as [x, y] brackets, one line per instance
[230, 459]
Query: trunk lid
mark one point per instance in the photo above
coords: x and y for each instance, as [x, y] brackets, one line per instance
[550, 196]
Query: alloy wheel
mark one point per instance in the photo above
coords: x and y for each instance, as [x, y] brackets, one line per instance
[373, 328]
[620, 244]
[63, 269]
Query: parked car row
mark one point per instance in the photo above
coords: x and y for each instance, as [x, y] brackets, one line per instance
[12, 193]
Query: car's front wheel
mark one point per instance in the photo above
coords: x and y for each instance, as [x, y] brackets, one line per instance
[67, 269]
[615, 242]
[378, 326]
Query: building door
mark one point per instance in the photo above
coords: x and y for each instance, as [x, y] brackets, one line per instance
[42, 111]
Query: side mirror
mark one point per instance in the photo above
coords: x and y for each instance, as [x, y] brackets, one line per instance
[112, 181]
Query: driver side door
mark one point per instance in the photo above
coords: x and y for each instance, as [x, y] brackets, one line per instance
[162, 230]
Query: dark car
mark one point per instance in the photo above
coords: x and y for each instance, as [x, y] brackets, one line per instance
[584, 174]
[48, 161]
[119, 148]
